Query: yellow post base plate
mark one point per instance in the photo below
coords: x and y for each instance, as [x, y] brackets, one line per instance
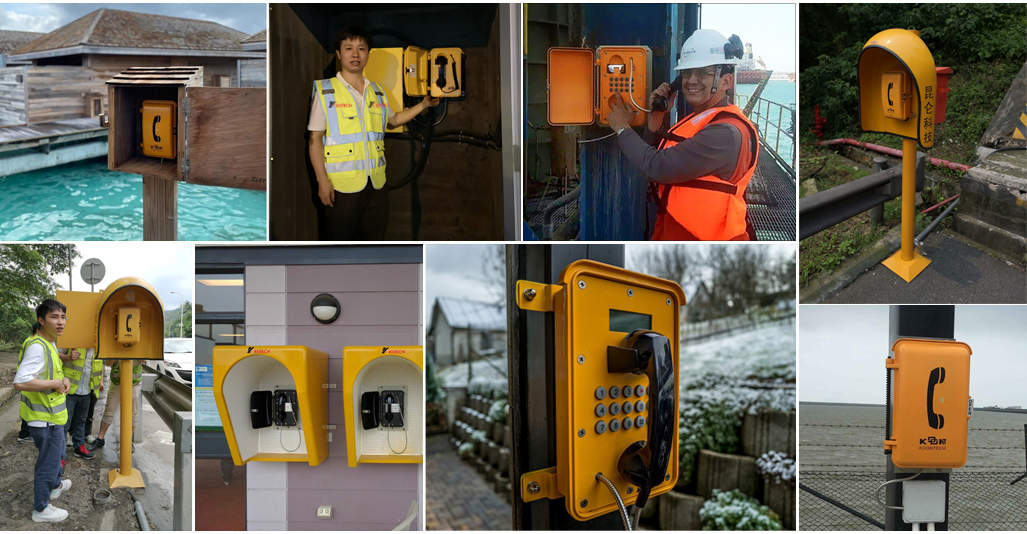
[907, 270]
[131, 480]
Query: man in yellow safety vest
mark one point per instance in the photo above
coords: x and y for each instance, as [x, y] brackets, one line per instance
[43, 388]
[85, 372]
[348, 117]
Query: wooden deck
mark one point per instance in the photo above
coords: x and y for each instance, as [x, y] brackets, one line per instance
[20, 137]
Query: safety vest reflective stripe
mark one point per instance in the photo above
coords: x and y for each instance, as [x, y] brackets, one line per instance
[74, 371]
[48, 405]
[709, 207]
[354, 143]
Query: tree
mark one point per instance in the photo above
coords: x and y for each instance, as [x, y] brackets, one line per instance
[27, 278]
[494, 269]
[183, 313]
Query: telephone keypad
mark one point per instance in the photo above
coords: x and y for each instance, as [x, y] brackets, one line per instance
[640, 406]
[626, 391]
[614, 392]
[628, 423]
[627, 407]
[600, 393]
[600, 410]
[640, 421]
[614, 425]
[600, 427]
[614, 408]
[639, 391]
[633, 407]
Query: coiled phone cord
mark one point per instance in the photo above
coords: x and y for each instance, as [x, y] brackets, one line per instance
[620, 502]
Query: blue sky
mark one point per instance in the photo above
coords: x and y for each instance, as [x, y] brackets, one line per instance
[769, 27]
[248, 18]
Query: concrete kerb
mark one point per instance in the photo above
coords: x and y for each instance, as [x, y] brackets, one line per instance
[826, 285]
[7, 393]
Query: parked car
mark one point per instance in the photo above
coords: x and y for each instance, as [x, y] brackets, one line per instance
[178, 360]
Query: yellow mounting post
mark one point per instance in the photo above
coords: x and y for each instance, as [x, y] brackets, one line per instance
[897, 90]
[126, 476]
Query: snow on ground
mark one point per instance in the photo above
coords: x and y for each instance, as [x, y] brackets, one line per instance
[456, 375]
[739, 354]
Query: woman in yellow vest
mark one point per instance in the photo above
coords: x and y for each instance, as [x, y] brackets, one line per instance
[702, 165]
[85, 373]
[348, 117]
[114, 401]
[43, 387]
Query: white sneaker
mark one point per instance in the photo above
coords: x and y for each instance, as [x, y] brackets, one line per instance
[65, 484]
[50, 514]
[90, 438]
[69, 440]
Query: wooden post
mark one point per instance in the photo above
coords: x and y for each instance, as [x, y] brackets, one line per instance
[160, 209]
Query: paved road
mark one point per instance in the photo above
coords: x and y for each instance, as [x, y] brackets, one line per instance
[457, 496]
[958, 274]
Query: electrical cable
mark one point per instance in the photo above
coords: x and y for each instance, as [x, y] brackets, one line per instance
[620, 502]
[445, 111]
[877, 493]
[636, 515]
[281, 431]
[631, 85]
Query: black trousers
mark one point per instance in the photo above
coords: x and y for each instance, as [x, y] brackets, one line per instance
[360, 216]
[92, 408]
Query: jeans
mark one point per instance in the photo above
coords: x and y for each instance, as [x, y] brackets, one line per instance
[50, 442]
[78, 410]
[92, 409]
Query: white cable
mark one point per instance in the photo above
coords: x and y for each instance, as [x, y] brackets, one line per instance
[930, 527]
[877, 494]
[620, 502]
[916, 527]
[580, 142]
[631, 85]
[281, 431]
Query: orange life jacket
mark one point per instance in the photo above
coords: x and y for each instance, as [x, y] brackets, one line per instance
[708, 208]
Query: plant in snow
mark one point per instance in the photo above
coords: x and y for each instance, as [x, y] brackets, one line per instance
[733, 510]
[778, 466]
[479, 436]
[489, 388]
[499, 411]
[465, 449]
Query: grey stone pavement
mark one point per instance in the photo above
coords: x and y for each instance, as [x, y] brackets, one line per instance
[457, 496]
[958, 274]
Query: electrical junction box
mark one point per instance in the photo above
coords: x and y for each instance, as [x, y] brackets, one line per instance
[603, 409]
[923, 501]
[396, 371]
[892, 60]
[446, 71]
[581, 83]
[289, 373]
[160, 125]
[930, 403]
[124, 321]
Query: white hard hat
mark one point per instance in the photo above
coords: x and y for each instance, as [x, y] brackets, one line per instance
[708, 47]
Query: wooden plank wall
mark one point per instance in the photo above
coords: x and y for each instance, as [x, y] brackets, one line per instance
[60, 92]
[254, 73]
[12, 96]
[212, 66]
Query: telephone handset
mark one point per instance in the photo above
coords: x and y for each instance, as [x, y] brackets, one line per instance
[936, 420]
[369, 410]
[156, 119]
[660, 103]
[450, 84]
[260, 409]
[645, 462]
[392, 409]
[286, 407]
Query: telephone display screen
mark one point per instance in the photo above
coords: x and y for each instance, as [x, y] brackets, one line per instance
[623, 321]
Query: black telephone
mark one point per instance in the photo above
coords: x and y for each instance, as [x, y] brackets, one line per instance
[260, 409]
[645, 462]
[369, 410]
[286, 408]
[392, 408]
[936, 420]
[660, 103]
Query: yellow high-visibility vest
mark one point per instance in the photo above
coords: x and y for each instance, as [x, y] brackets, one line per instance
[354, 142]
[45, 405]
[75, 369]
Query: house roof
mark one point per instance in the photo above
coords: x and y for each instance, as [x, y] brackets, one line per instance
[116, 29]
[467, 314]
[691, 289]
[10, 39]
[258, 37]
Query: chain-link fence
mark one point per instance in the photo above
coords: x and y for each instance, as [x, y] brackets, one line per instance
[978, 500]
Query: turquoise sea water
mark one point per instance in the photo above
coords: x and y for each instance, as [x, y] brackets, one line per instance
[780, 92]
[86, 202]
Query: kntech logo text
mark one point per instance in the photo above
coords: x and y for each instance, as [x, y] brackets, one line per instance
[932, 444]
[254, 350]
[386, 350]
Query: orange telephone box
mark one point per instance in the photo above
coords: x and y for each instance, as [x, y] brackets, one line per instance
[581, 83]
[931, 404]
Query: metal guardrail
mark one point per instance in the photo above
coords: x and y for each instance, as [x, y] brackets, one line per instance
[762, 116]
[173, 402]
[827, 208]
[166, 395]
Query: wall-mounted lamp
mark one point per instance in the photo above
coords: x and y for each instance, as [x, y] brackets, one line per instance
[325, 308]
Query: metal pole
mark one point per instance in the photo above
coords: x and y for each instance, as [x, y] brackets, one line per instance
[126, 417]
[181, 313]
[925, 322]
[908, 197]
[531, 338]
[183, 438]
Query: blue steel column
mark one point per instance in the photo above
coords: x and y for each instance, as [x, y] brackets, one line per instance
[614, 203]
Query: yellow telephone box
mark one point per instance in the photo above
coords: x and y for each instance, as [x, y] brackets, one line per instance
[160, 126]
[931, 404]
[273, 402]
[616, 387]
